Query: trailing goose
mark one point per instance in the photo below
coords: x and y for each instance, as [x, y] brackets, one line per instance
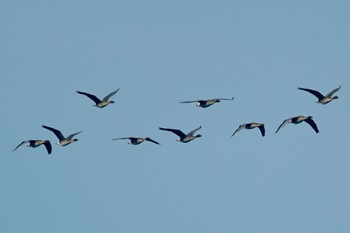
[100, 103]
[137, 140]
[62, 141]
[184, 137]
[298, 120]
[205, 103]
[321, 98]
[251, 126]
[36, 143]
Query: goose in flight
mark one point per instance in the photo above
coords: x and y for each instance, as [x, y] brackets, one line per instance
[62, 141]
[100, 103]
[137, 140]
[36, 143]
[298, 120]
[205, 103]
[184, 137]
[251, 126]
[321, 98]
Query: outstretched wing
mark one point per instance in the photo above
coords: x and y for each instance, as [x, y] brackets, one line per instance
[332, 92]
[109, 95]
[224, 98]
[315, 93]
[48, 146]
[193, 131]
[58, 133]
[190, 101]
[92, 97]
[283, 124]
[175, 131]
[70, 137]
[312, 124]
[21, 144]
[151, 140]
[122, 138]
[262, 129]
[238, 129]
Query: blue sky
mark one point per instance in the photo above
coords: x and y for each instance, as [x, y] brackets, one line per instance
[159, 53]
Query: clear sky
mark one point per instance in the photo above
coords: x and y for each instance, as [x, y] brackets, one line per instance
[159, 53]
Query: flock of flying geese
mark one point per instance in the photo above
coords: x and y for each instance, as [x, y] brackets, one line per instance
[183, 137]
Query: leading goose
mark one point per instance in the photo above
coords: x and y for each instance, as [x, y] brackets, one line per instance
[321, 98]
[251, 126]
[205, 103]
[137, 140]
[100, 103]
[298, 120]
[184, 137]
[36, 143]
[62, 141]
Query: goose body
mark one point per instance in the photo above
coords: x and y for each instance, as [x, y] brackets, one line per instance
[251, 126]
[183, 137]
[137, 140]
[62, 141]
[100, 103]
[298, 120]
[36, 143]
[205, 103]
[322, 99]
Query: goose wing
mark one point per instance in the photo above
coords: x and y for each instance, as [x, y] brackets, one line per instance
[238, 129]
[58, 133]
[315, 93]
[21, 144]
[122, 138]
[109, 95]
[48, 146]
[262, 129]
[332, 92]
[190, 101]
[283, 124]
[151, 140]
[70, 137]
[92, 97]
[193, 131]
[175, 131]
[225, 98]
[312, 124]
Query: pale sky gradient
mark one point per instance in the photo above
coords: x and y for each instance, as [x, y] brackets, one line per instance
[159, 53]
